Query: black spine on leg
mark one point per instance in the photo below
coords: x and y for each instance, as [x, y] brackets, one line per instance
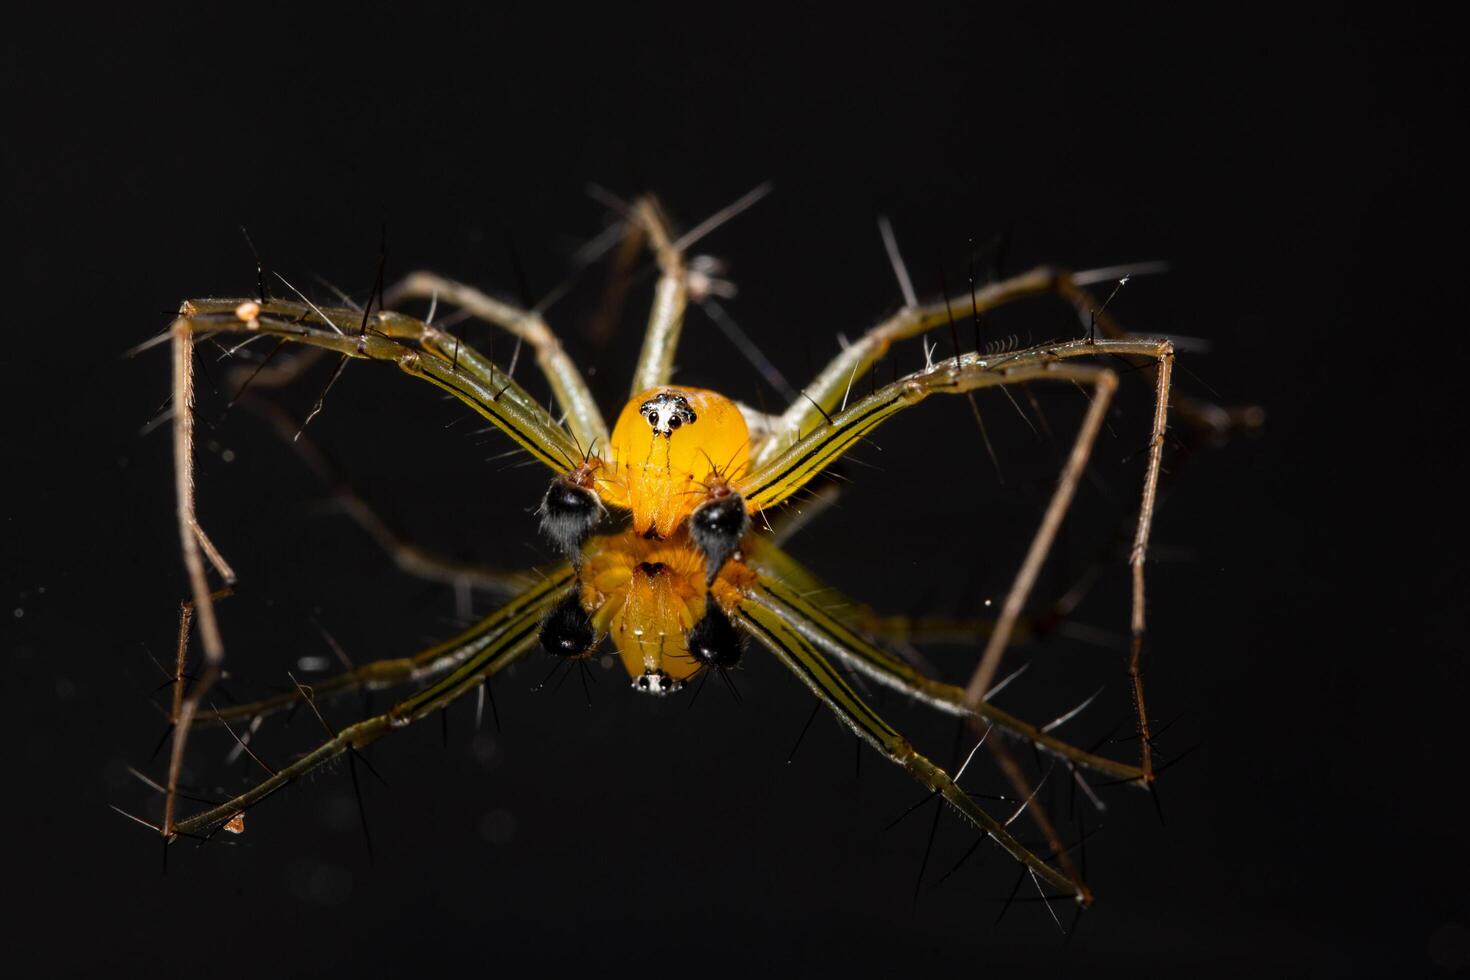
[568, 631]
[714, 641]
[568, 514]
[717, 527]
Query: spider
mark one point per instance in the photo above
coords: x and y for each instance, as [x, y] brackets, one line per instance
[665, 522]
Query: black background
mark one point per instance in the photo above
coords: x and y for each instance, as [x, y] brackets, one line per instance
[1305, 583]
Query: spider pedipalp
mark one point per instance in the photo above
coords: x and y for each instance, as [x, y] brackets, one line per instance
[569, 511]
[717, 526]
[714, 641]
[568, 630]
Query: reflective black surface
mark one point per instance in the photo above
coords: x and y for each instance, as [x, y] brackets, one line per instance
[1303, 598]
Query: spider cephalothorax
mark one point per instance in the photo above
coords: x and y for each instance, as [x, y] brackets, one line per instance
[672, 448]
[662, 482]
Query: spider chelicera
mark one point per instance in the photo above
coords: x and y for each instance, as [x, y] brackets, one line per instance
[663, 525]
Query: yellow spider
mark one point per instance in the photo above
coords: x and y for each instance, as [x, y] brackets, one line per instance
[663, 520]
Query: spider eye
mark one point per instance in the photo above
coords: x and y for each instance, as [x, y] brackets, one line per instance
[568, 631]
[568, 514]
[714, 640]
[656, 682]
[667, 411]
[717, 527]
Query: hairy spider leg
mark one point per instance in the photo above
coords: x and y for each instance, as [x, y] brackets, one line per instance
[645, 222]
[786, 473]
[834, 382]
[475, 656]
[472, 379]
[431, 662]
[834, 638]
[799, 655]
[828, 392]
[670, 299]
[903, 630]
[569, 388]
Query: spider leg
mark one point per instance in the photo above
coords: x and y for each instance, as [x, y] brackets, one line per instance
[455, 361]
[1104, 382]
[1139, 553]
[427, 663]
[760, 424]
[835, 381]
[1015, 600]
[191, 535]
[903, 676]
[783, 475]
[475, 656]
[792, 647]
[417, 348]
[765, 555]
[670, 299]
[473, 381]
[773, 481]
[829, 635]
[789, 521]
[675, 287]
[900, 629]
[571, 391]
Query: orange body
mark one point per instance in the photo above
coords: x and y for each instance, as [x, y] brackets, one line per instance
[646, 594]
[670, 448]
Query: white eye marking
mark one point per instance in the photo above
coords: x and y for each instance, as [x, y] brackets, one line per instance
[666, 412]
[656, 682]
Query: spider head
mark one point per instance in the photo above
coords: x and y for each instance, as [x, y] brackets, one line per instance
[670, 445]
[667, 411]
